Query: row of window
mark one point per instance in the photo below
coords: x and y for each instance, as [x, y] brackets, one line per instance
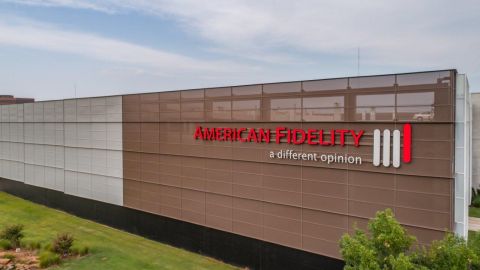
[427, 98]
[440, 79]
[384, 113]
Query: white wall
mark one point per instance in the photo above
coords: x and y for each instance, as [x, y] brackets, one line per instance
[73, 146]
[463, 155]
[475, 140]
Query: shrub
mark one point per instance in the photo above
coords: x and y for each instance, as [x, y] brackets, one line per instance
[358, 252]
[13, 233]
[48, 258]
[388, 236]
[474, 241]
[384, 249]
[452, 252]
[63, 244]
[389, 247]
[5, 244]
[474, 244]
[403, 262]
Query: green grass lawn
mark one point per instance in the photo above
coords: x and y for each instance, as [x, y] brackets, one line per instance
[474, 212]
[110, 248]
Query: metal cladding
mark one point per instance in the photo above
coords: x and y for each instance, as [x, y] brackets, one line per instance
[260, 160]
[73, 146]
[296, 164]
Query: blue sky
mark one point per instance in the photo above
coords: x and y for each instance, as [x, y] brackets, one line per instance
[49, 47]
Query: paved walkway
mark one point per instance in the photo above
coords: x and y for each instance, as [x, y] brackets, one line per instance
[474, 224]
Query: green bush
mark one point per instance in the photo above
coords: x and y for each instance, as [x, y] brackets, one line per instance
[63, 244]
[403, 262]
[474, 241]
[13, 233]
[358, 252]
[389, 247]
[384, 249]
[452, 252]
[48, 258]
[5, 244]
[474, 244]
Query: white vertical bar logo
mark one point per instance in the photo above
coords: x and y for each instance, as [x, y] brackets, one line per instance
[386, 148]
[396, 148]
[376, 147]
[391, 141]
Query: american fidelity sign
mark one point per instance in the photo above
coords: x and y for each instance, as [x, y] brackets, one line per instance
[291, 136]
[388, 141]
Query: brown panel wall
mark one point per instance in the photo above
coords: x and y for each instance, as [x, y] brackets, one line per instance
[236, 187]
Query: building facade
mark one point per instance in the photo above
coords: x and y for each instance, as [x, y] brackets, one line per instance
[476, 140]
[8, 99]
[268, 175]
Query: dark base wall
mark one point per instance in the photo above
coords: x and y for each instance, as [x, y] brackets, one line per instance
[228, 247]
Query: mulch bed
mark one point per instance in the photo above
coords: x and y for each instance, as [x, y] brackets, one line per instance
[24, 260]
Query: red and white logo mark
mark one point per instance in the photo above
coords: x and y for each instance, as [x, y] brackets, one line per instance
[394, 158]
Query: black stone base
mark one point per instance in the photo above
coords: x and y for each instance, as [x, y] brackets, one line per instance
[231, 248]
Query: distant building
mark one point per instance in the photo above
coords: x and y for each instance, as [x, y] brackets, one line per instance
[8, 99]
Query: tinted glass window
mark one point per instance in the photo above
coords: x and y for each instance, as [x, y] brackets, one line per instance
[323, 102]
[375, 100]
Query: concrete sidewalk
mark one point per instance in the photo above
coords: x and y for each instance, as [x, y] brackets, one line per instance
[474, 224]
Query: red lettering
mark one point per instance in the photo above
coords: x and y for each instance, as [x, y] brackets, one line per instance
[234, 134]
[320, 138]
[209, 134]
[295, 136]
[311, 136]
[289, 136]
[332, 137]
[356, 137]
[252, 135]
[264, 135]
[292, 136]
[279, 134]
[198, 133]
[218, 134]
[228, 134]
[239, 134]
[342, 135]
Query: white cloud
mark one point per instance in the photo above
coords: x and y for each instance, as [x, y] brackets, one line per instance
[30, 34]
[63, 3]
[406, 33]
[393, 35]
